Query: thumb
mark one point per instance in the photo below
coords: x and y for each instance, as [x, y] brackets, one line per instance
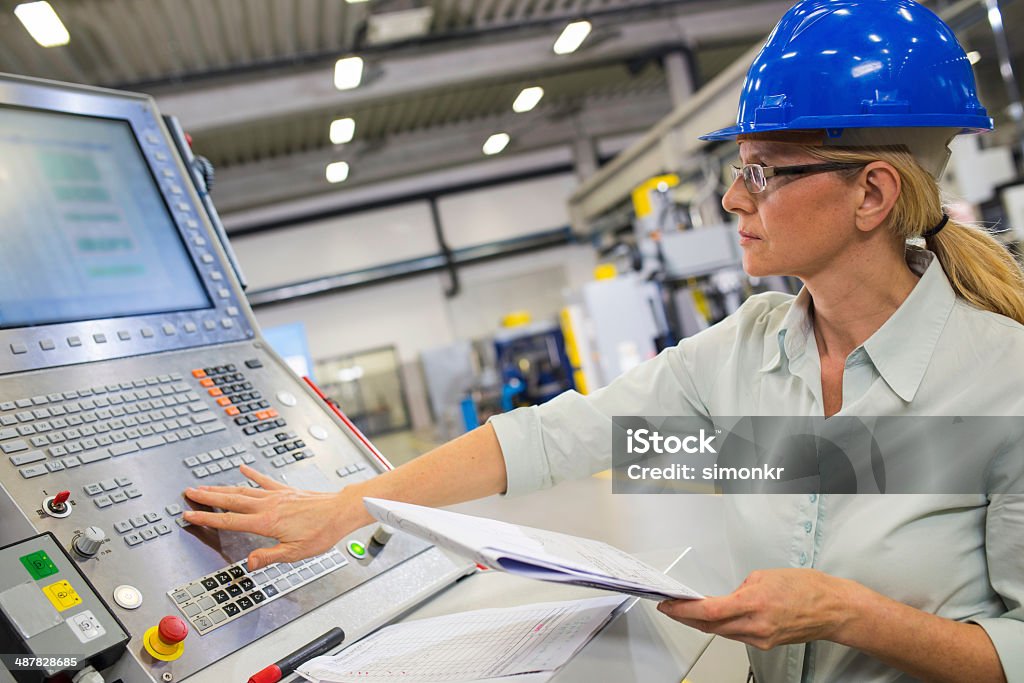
[258, 559]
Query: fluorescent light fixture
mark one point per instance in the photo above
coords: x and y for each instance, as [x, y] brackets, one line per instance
[42, 23]
[355, 2]
[973, 56]
[337, 172]
[348, 73]
[527, 99]
[342, 131]
[496, 143]
[350, 374]
[572, 37]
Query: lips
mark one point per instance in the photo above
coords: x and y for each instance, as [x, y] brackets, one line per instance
[744, 235]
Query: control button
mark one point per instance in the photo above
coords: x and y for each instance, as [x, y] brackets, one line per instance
[287, 398]
[62, 596]
[270, 591]
[152, 517]
[47, 344]
[224, 293]
[232, 311]
[124, 335]
[127, 596]
[146, 332]
[38, 564]
[206, 258]
[168, 329]
[88, 542]
[237, 572]
[318, 432]
[223, 578]
[181, 596]
[74, 341]
[234, 591]
[209, 325]
[217, 616]
[103, 502]
[99, 338]
[162, 528]
[231, 609]
[148, 534]
[257, 597]
[356, 549]
[246, 584]
[190, 327]
[122, 527]
[221, 597]
[173, 509]
[57, 506]
[227, 323]
[209, 584]
[253, 363]
[18, 349]
[383, 534]
[191, 610]
[244, 603]
[164, 641]
[118, 496]
[206, 603]
[92, 489]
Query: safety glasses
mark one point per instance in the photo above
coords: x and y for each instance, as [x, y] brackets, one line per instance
[755, 176]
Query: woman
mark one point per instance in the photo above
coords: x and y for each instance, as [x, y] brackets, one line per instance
[842, 130]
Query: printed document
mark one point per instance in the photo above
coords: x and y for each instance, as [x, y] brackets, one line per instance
[527, 643]
[532, 553]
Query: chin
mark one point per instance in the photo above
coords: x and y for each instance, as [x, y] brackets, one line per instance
[757, 267]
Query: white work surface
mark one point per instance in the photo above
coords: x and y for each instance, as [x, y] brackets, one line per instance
[642, 644]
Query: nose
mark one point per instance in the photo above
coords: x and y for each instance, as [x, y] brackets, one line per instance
[737, 200]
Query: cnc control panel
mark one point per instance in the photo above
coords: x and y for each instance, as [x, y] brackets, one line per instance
[131, 367]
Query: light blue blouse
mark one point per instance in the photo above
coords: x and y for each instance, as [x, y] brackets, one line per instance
[958, 556]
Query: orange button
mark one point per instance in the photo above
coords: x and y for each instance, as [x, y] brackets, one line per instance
[206, 382]
[263, 415]
[232, 411]
[199, 374]
[271, 413]
[223, 401]
[216, 392]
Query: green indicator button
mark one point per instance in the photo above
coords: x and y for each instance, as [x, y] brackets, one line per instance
[356, 549]
[39, 565]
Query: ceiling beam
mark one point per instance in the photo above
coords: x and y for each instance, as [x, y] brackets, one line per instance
[282, 95]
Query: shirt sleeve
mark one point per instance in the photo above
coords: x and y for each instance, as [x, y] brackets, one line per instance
[1004, 545]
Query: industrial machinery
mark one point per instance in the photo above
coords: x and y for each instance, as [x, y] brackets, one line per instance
[131, 367]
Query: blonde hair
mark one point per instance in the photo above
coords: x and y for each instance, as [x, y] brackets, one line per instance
[980, 269]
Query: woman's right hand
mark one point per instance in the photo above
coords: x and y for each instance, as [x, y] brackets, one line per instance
[305, 523]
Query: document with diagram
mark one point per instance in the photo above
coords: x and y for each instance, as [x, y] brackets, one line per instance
[532, 553]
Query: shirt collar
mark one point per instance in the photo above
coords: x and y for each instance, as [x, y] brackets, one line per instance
[901, 349]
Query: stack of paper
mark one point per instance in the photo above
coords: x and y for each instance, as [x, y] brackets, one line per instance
[520, 644]
[533, 553]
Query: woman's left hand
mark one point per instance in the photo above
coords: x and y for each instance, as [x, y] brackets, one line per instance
[773, 607]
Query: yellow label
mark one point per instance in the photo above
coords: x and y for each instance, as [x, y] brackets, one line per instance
[62, 595]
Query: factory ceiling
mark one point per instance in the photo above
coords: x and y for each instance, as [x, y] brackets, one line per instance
[252, 81]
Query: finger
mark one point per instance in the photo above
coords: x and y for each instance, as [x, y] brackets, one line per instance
[237, 490]
[263, 480]
[226, 501]
[227, 521]
[263, 557]
[706, 609]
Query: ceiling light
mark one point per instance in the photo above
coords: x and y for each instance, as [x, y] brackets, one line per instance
[342, 131]
[496, 143]
[527, 99]
[42, 23]
[974, 56]
[348, 73]
[572, 37]
[337, 172]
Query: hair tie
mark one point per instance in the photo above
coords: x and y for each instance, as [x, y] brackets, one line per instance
[938, 228]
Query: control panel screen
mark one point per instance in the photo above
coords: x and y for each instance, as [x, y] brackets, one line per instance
[85, 233]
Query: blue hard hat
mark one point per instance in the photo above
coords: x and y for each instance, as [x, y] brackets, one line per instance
[835, 64]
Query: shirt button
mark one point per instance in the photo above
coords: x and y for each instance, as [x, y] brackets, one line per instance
[813, 497]
[803, 559]
[807, 527]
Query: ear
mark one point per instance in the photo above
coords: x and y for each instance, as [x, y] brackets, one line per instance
[879, 183]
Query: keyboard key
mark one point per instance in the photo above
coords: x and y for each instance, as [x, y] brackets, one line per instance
[221, 597]
[103, 502]
[94, 456]
[118, 496]
[122, 527]
[123, 481]
[231, 609]
[223, 578]
[162, 528]
[14, 447]
[181, 596]
[123, 449]
[152, 517]
[257, 597]
[33, 471]
[217, 616]
[173, 509]
[244, 603]
[133, 539]
[209, 583]
[132, 492]
[246, 584]
[151, 442]
[149, 534]
[27, 458]
[234, 591]
[270, 591]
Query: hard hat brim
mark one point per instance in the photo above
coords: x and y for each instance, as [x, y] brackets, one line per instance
[835, 124]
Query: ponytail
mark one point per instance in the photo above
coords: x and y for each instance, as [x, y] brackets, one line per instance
[980, 269]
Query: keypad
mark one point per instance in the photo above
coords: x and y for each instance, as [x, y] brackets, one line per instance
[216, 599]
[98, 423]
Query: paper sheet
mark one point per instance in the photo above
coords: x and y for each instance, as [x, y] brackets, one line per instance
[533, 553]
[470, 646]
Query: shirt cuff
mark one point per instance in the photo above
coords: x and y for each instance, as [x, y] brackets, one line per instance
[522, 446]
[1007, 635]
